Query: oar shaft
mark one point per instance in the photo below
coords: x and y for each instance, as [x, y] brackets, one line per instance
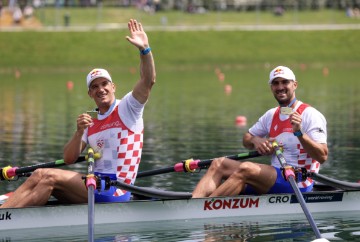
[151, 192]
[91, 186]
[8, 173]
[91, 213]
[290, 176]
[155, 172]
[57, 163]
[195, 164]
[241, 156]
[344, 185]
[302, 202]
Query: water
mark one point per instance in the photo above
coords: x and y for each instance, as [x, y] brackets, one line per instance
[334, 227]
[189, 115]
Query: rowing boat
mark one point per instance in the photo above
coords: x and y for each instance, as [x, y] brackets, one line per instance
[151, 210]
[151, 205]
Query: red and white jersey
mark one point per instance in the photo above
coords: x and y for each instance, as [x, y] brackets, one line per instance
[118, 136]
[275, 125]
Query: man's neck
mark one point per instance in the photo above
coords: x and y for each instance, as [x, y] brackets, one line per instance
[106, 108]
[291, 104]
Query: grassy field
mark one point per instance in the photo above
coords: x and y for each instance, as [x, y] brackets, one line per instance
[57, 50]
[74, 52]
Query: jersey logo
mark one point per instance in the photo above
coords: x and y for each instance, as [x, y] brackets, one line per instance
[100, 143]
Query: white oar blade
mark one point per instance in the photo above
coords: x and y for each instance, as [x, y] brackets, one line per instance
[320, 240]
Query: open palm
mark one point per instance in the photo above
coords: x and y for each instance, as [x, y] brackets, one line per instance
[137, 35]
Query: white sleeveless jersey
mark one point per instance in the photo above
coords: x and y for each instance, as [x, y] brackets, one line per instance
[118, 137]
[277, 126]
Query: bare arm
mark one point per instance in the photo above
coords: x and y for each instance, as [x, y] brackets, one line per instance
[262, 145]
[316, 150]
[75, 146]
[139, 39]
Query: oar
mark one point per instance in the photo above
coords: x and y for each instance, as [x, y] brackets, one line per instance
[290, 176]
[8, 172]
[150, 192]
[91, 186]
[190, 165]
[344, 185]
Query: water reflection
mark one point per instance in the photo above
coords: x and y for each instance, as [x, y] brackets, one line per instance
[334, 227]
[188, 116]
[253, 229]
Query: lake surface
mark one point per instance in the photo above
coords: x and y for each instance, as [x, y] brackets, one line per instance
[191, 114]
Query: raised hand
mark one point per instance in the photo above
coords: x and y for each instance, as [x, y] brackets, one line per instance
[137, 35]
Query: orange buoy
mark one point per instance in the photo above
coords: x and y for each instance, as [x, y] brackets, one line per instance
[17, 73]
[241, 121]
[221, 77]
[325, 71]
[303, 66]
[70, 85]
[228, 89]
[217, 71]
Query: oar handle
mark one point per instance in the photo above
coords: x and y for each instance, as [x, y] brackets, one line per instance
[90, 178]
[52, 164]
[8, 173]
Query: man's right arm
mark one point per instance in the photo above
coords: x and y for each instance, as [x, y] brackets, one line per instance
[262, 145]
[76, 145]
[247, 141]
[139, 38]
[73, 148]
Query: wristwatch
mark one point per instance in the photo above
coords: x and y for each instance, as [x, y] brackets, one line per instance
[298, 133]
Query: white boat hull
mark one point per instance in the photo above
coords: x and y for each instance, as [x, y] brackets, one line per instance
[182, 209]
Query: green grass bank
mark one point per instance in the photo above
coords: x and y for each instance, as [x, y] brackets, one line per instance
[68, 50]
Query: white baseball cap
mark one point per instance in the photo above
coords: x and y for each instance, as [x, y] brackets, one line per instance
[96, 73]
[282, 71]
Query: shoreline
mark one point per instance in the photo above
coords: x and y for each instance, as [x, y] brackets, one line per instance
[177, 28]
